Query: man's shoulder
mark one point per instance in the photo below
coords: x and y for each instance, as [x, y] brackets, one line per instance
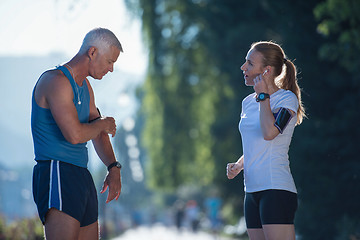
[52, 74]
[54, 77]
[53, 82]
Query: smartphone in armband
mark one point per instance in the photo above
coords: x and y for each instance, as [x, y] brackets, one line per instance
[282, 119]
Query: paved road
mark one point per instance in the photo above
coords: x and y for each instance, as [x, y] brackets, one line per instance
[160, 232]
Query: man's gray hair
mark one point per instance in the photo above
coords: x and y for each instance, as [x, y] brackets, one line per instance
[100, 38]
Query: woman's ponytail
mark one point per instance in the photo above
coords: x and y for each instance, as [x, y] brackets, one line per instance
[290, 82]
[274, 56]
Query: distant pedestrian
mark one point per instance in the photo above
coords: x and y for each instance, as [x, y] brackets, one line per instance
[193, 215]
[179, 208]
[213, 205]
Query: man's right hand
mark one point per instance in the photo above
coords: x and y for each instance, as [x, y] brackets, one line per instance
[110, 126]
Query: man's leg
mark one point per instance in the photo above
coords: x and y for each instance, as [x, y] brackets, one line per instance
[90, 232]
[59, 225]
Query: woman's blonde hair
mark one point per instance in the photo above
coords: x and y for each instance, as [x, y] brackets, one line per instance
[273, 55]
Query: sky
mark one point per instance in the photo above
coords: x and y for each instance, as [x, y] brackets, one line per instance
[40, 34]
[40, 27]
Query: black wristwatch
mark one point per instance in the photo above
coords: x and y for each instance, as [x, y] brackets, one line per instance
[262, 96]
[114, 164]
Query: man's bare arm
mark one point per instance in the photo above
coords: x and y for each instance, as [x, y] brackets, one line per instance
[58, 95]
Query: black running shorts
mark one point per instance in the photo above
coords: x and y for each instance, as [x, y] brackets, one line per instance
[269, 207]
[67, 188]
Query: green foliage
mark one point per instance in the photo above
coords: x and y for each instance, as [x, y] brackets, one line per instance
[348, 229]
[339, 21]
[193, 92]
[180, 96]
[25, 229]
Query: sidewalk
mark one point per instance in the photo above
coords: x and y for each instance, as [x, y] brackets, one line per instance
[160, 232]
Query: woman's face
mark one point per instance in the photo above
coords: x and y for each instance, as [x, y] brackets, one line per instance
[252, 67]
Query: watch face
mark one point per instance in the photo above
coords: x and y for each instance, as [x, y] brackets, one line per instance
[262, 97]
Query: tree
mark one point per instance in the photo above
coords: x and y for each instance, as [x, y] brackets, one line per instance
[193, 93]
[334, 164]
[180, 96]
[339, 23]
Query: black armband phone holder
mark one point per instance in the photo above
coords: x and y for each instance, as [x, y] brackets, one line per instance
[282, 119]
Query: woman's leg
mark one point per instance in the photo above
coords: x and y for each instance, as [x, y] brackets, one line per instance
[252, 216]
[279, 231]
[277, 210]
[256, 234]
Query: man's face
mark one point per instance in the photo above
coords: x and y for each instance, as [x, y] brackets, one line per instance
[103, 61]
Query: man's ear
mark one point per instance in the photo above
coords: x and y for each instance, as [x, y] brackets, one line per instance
[92, 52]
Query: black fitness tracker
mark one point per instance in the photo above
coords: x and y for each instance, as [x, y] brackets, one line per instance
[262, 97]
[114, 164]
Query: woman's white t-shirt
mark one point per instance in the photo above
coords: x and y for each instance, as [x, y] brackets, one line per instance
[266, 163]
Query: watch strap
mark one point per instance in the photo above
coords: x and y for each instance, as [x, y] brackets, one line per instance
[114, 164]
[262, 97]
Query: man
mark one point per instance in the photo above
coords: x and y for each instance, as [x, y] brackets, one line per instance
[63, 118]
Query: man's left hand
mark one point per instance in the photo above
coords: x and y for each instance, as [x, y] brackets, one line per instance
[113, 181]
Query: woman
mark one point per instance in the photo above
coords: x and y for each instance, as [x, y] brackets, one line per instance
[268, 119]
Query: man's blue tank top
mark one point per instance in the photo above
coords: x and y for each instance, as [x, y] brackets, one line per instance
[49, 142]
